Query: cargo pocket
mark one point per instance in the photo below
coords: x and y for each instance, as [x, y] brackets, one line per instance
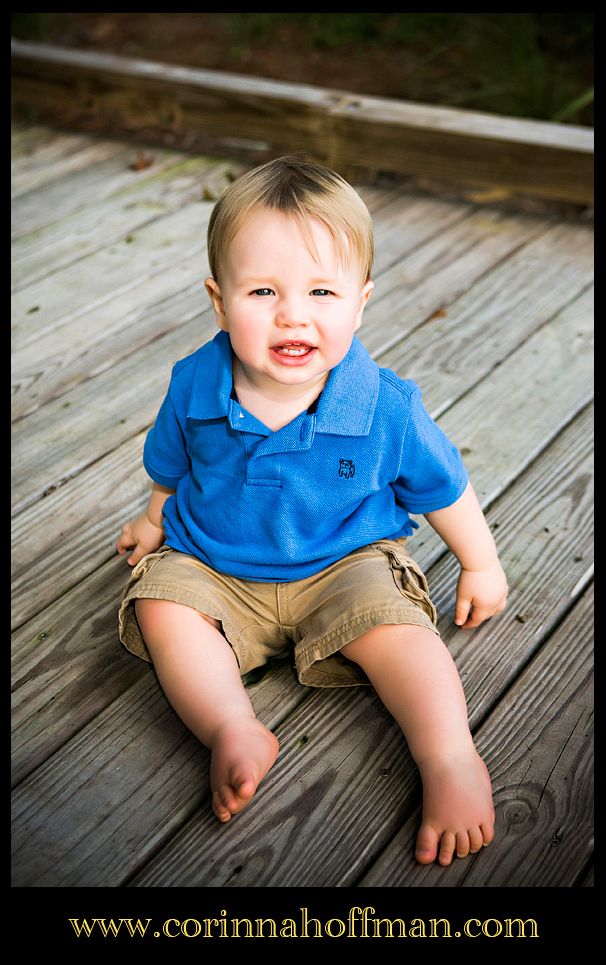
[146, 562]
[409, 578]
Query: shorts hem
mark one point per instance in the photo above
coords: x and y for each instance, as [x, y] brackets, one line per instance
[133, 639]
[310, 656]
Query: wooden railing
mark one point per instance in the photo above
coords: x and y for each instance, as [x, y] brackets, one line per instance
[462, 148]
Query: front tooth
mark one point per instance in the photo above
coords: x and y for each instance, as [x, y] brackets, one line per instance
[294, 351]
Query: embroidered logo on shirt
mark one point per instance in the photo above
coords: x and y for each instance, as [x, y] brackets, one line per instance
[347, 468]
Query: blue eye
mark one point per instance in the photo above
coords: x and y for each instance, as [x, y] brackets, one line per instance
[321, 291]
[262, 291]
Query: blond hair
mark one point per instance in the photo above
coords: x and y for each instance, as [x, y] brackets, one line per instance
[300, 189]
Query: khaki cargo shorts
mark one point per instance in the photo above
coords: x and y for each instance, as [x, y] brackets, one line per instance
[376, 584]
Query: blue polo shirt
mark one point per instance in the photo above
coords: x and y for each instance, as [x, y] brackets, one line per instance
[280, 506]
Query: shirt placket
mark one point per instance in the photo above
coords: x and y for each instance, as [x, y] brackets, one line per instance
[264, 457]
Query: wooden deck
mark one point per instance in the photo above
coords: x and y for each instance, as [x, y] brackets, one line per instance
[490, 311]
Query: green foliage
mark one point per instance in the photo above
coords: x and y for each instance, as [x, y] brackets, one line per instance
[521, 64]
[535, 65]
[33, 26]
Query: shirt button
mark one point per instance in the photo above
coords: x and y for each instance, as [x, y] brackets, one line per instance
[241, 415]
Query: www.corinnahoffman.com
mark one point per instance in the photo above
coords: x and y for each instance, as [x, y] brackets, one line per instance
[357, 923]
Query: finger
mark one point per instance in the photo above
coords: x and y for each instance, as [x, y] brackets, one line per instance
[137, 555]
[123, 544]
[462, 611]
[477, 617]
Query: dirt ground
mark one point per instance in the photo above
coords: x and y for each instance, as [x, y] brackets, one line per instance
[206, 40]
[516, 64]
[426, 66]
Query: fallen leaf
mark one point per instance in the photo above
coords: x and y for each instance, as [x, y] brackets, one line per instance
[488, 195]
[141, 162]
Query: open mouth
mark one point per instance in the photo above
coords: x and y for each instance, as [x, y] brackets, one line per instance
[293, 349]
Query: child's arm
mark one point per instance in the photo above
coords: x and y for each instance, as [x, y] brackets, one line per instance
[146, 532]
[482, 583]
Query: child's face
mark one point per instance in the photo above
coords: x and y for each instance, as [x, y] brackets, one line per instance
[290, 318]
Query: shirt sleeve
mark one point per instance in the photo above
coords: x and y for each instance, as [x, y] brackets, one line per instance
[432, 473]
[165, 455]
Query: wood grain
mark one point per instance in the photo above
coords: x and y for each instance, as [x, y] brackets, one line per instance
[492, 313]
[345, 737]
[464, 147]
[538, 746]
[354, 767]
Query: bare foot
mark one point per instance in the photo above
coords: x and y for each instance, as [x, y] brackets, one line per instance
[458, 814]
[242, 754]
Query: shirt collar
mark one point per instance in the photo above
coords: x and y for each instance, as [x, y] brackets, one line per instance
[345, 407]
[348, 401]
[213, 380]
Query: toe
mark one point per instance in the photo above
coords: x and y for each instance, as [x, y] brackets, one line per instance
[447, 847]
[487, 833]
[244, 788]
[219, 807]
[462, 844]
[427, 845]
[476, 840]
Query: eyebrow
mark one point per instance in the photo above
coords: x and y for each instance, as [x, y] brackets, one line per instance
[267, 279]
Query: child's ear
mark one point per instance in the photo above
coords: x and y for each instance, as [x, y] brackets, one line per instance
[364, 296]
[214, 293]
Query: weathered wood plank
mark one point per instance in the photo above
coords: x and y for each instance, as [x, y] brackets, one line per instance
[59, 362]
[545, 516]
[538, 746]
[53, 202]
[529, 373]
[360, 741]
[52, 302]
[519, 397]
[59, 542]
[339, 771]
[62, 357]
[470, 148]
[68, 666]
[588, 879]
[433, 276]
[115, 220]
[70, 433]
[59, 156]
[175, 758]
[44, 704]
[78, 694]
[24, 136]
[465, 340]
[82, 423]
[353, 767]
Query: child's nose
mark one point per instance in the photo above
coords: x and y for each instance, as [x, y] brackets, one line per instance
[291, 314]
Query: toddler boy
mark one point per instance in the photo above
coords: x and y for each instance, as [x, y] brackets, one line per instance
[285, 464]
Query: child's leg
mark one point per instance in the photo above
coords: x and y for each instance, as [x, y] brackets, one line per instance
[199, 674]
[416, 678]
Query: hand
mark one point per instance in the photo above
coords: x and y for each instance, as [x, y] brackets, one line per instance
[140, 535]
[483, 592]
